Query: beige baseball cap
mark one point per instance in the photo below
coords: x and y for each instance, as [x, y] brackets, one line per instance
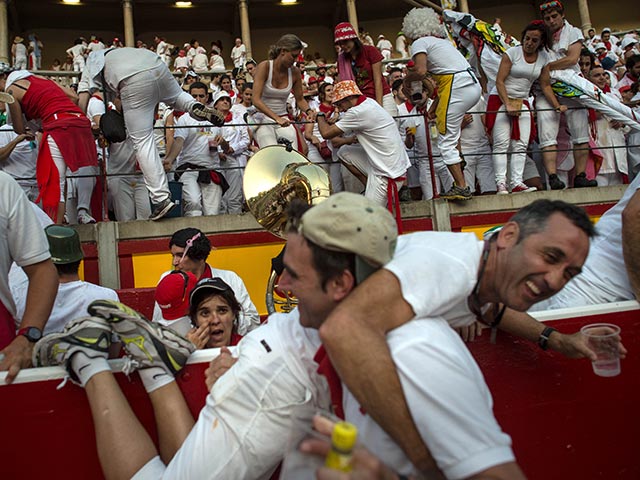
[348, 222]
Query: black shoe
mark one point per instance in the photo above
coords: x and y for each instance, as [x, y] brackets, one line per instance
[404, 194]
[582, 181]
[555, 183]
[161, 209]
[202, 112]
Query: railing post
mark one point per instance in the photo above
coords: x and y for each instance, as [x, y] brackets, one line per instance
[441, 218]
[108, 264]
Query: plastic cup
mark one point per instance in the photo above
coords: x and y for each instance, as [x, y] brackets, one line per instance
[413, 130]
[603, 339]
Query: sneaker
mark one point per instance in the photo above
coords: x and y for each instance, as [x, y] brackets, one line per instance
[148, 344]
[522, 188]
[202, 112]
[502, 189]
[555, 183]
[404, 194]
[457, 193]
[89, 335]
[582, 181]
[161, 209]
[84, 218]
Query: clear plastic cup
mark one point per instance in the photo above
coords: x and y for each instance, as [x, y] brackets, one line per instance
[604, 340]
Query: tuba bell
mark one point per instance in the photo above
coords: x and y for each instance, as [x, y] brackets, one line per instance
[273, 178]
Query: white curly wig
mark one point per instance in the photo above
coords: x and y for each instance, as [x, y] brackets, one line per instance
[422, 22]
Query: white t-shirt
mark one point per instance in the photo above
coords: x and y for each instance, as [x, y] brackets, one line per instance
[196, 142]
[22, 239]
[442, 56]
[181, 62]
[238, 56]
[94, 46]
[519, 81]
[604, 276]
[568, 36]
[251, 406]
[384, 44]
[419, 263]
[22, 161]
[77, 50]
[72, 301]
[200, 62]
[449, 401]
[378, 134]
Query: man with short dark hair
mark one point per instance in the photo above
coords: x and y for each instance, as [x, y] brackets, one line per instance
[190, 249]
[74, 295]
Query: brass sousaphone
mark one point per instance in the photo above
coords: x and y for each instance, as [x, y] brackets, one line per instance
[272, 179]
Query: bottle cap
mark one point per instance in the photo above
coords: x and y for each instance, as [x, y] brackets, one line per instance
[344, 436]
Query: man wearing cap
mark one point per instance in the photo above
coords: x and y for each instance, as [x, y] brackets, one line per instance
[610, 41]
[380, 155]
[74, 295]
[282, 372]
[384, 46]
[233, 142]
[22, 241]
[19, 53]
[564, 55]
[629, 47]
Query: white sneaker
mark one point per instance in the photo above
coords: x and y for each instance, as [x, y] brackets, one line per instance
[502, 188]
[84, 218]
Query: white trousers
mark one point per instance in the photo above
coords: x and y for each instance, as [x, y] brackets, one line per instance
[78, 63]
[233, 173]
[199, 198]
[20, 63]
[60, 164]
[266, 135]
[502, 144]
[140, 94]
[376, 188]
[129, 197]
[549, 121]
[444, 180]
[479, 166]
[465, 93]
[333, 168]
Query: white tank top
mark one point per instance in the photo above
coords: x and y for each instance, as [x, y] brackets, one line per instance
[276, 98]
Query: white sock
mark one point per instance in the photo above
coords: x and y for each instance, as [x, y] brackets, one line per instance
[154, 378]
[86, 367]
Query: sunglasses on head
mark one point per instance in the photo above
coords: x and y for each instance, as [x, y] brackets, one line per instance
[188, 245]
[553, 4]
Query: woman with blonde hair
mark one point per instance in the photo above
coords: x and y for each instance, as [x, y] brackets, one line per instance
[274, 80]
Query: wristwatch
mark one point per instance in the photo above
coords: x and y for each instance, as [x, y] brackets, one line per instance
[543, 340]
[320, 114]
[33, 334]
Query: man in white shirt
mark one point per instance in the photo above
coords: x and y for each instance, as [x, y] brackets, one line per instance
[196, 148]
[380, 154]
[281, 371]
[22, 241]
[74, 295]
[163, 50]
[238, 55]
[384, 46]
[128, 72]
[18, 155]
[564, 55]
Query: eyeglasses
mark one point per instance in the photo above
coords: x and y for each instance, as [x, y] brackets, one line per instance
[553, 4]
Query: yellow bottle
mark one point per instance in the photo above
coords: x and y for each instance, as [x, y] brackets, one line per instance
[343, 440]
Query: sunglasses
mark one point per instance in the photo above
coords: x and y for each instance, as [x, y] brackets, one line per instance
[553, 4]
[188, 245]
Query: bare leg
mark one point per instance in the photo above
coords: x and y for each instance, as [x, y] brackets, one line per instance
[549, 156]
[580, 156]
[357, 173]
[456, 173]
[124, 446]
[173, 419]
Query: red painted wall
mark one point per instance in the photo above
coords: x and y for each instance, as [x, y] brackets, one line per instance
[565, 422]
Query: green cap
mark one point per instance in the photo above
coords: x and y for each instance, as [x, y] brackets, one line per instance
[64, 244]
